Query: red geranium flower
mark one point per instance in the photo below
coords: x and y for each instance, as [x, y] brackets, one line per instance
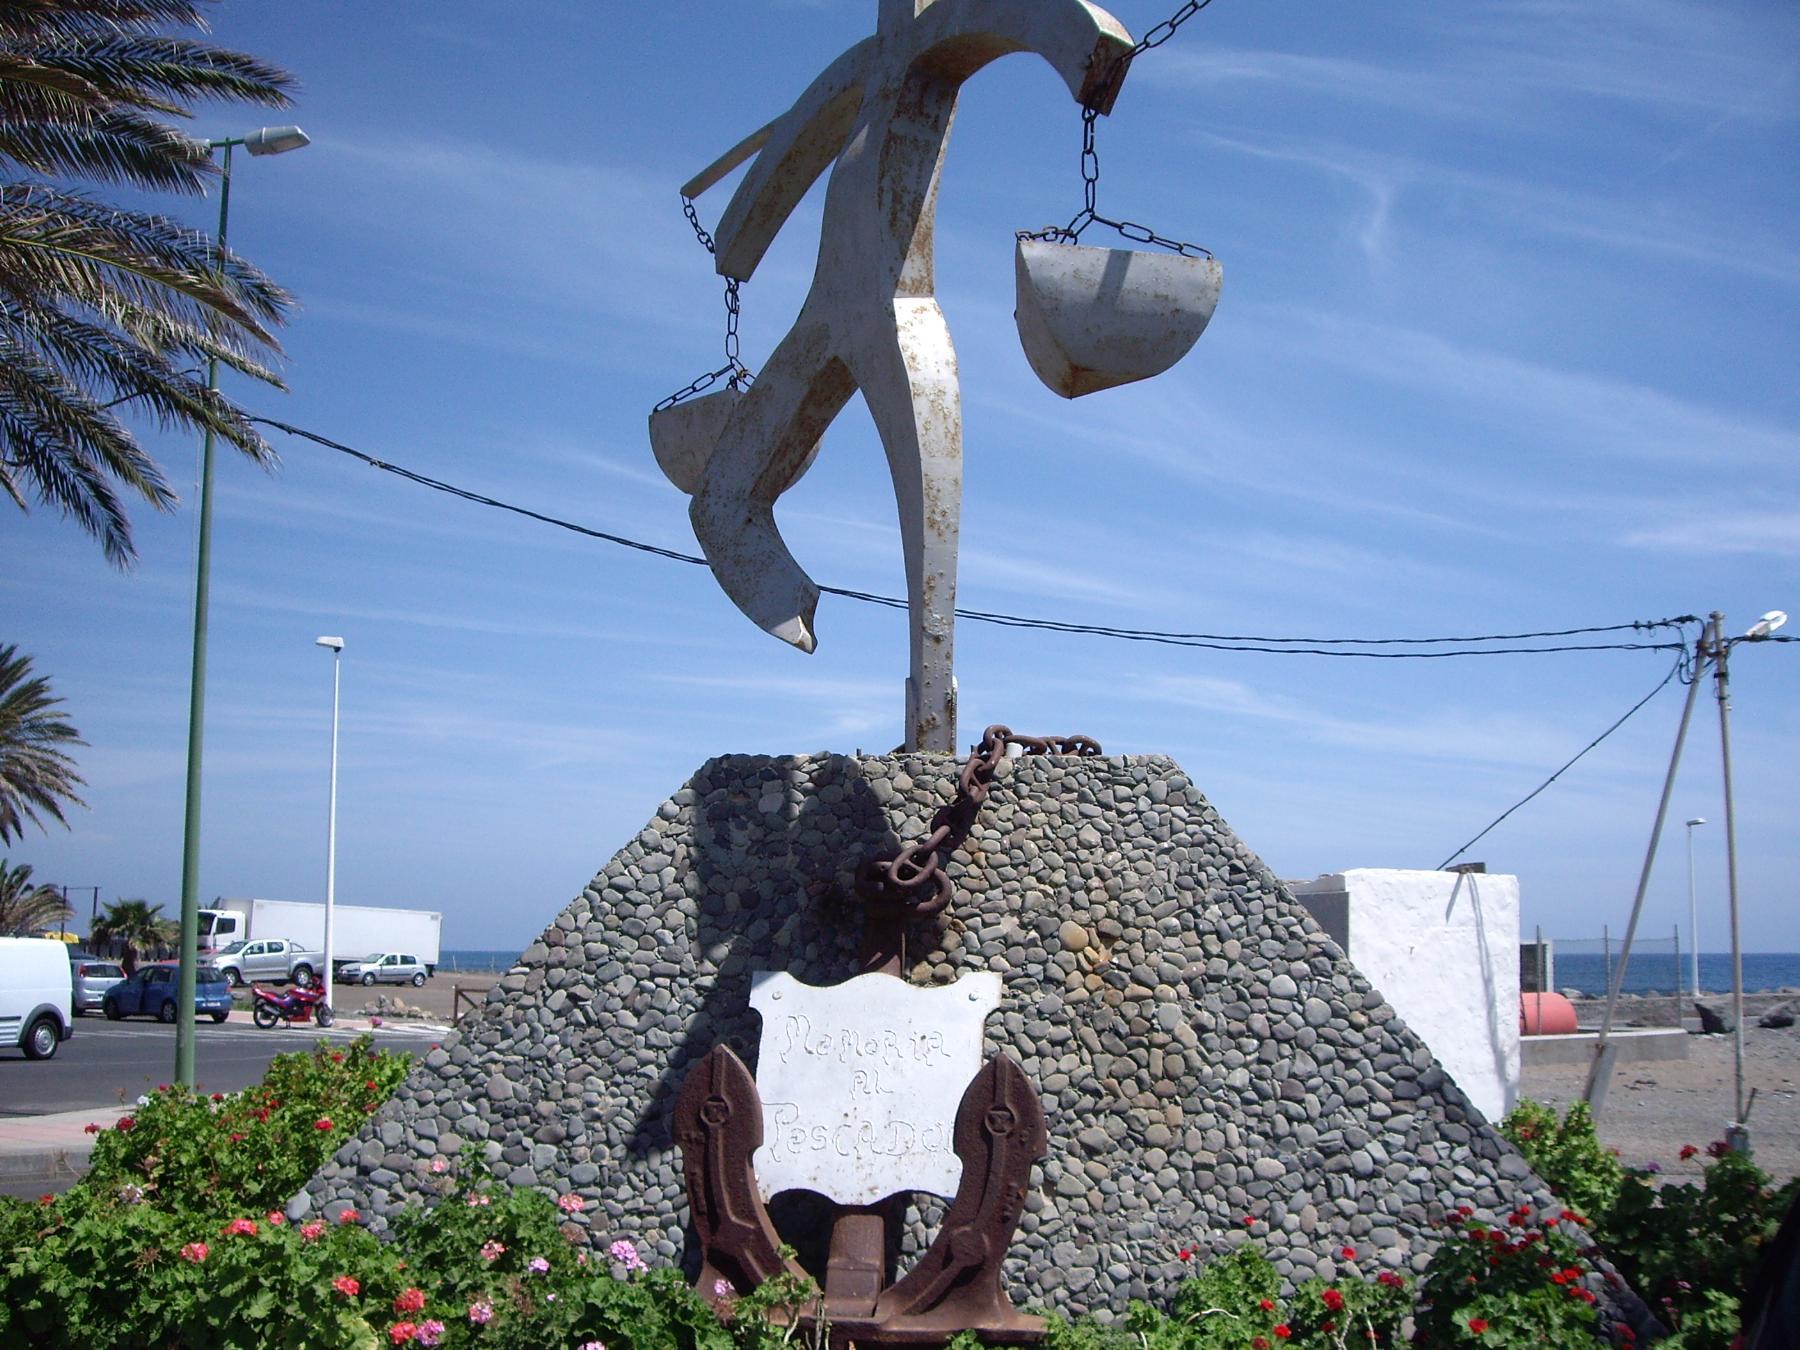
[348, 1216]
[347, 1285]
[413, 1300]
[1688, 1151]
[90, 1128]
[127, 1123]
[1348, 1253]
[1478, 1325]
[1267, 1305]
[1283, 1331]
[1332, 1299]
[1186, 1253]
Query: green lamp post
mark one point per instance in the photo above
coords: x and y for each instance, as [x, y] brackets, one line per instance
[267, 141]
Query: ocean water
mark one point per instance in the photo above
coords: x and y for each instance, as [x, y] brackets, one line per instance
[478, 961]
[1654, 972]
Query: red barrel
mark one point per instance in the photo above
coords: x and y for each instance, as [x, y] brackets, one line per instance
[1545, 1015]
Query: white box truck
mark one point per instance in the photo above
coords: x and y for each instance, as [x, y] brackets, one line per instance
[356, 930]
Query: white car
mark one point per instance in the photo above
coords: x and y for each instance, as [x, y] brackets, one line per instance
[36, 995]
[385, 968]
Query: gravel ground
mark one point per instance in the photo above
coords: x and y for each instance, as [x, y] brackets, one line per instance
[1653, 1108]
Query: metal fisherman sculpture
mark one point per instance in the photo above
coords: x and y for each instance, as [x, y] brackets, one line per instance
[880, 117]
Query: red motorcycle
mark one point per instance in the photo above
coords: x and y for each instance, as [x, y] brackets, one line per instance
[293, 1005]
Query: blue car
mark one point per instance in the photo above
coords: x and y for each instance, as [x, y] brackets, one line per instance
[150, 992]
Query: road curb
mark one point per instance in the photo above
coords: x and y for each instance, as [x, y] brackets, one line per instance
[44, 1164]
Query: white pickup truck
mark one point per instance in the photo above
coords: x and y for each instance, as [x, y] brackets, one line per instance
[269, 959]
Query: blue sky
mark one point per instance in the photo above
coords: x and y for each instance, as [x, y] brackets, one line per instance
[1507, 343]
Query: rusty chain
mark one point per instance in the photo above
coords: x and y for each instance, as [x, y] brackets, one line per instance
[736, 374]
[914, 880]
[1090, 157]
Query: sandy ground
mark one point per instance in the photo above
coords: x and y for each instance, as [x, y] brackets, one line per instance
[434, 997]
[1653, 1108]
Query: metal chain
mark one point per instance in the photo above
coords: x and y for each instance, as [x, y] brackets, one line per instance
[1090, 157]
[734, 372]
[914, 880]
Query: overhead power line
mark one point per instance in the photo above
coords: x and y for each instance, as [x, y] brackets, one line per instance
[1680, 662]
[1224, 642]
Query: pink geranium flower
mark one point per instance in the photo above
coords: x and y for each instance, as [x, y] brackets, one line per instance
[431, 1331]
[347, 1285]
[481, 1312]
[410, 1301]
[491, 1250]
[626, 1254]
[239, 1228]
[313, 1231]
[570, 1203]
[195, 1252]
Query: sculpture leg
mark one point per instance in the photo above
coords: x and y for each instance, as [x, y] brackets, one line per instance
[911, 388]
[771, 439]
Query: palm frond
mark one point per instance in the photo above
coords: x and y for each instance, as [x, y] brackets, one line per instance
[103, 308]
[28, 18]
[27, 906]
[37, 775]
[121, 147]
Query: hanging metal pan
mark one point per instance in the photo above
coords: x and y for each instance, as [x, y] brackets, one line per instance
[1091, 318]
[683, 436]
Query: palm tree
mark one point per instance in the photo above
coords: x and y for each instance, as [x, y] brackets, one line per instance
[28, 907]
[137, 925]
[105, 311]
[36, 775]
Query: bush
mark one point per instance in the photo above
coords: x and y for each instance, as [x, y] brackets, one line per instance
[1567, 1154]
[1521, 1284]
[245, 1151]
[1689, 1251]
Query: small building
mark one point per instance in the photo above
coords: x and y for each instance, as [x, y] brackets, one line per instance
[1443, 948]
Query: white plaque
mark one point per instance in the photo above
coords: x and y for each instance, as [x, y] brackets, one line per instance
[860, 1082]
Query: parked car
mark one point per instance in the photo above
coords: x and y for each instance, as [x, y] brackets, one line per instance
[36, 990]
[269, 959]
[150, 992]
[92, 980]
[385, 968]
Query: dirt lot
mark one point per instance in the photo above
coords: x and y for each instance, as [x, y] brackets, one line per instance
[1653, 1108]
[434, 997]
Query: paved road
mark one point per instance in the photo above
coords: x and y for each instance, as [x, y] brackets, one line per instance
[111, 1063]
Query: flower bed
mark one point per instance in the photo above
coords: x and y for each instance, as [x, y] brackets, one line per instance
[178, 1236]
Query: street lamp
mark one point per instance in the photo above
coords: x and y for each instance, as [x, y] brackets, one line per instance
[1693, 914]
[337, 661]
[267, 141]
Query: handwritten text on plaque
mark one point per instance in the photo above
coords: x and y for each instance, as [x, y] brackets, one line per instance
[860, 1082]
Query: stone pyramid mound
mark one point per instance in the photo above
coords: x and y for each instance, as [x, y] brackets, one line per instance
[1210, 1063]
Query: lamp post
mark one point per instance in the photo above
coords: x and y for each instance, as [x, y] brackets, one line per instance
[267, 141]
[1693, 913]
[337, 661]
[1737, 1134]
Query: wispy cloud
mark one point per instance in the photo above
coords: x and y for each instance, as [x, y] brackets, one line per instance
[1397, 189]
[1774, 531]
[1499, 57]
[1590, 414]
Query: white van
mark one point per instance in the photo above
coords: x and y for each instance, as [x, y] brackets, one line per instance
[35, 995]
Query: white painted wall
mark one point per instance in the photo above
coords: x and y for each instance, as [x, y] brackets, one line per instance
[1442, 947]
